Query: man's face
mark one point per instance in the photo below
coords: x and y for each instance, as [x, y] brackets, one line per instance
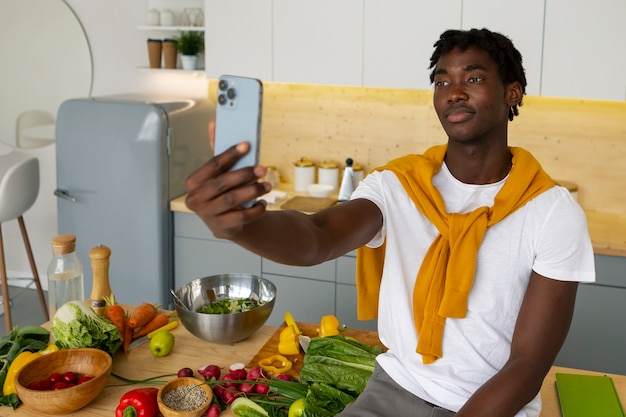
[470, 99]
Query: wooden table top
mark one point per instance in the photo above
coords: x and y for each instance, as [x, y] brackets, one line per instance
[190, 351]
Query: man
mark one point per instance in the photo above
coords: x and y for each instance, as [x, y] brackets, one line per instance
[473, 254]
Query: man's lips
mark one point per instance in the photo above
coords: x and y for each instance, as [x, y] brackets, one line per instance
[459, 114]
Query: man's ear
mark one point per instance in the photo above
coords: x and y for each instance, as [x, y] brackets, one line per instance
[514, 93]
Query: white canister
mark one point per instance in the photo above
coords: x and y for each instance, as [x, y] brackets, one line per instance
[304, 175]
[358, 174]
[328, 173]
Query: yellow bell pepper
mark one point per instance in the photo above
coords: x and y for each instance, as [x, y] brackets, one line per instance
[18, 363]
[288, 341]
[329, 326]
[270, 363]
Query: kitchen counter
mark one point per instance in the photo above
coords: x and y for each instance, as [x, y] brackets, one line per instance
[192, 352]
[607, 230]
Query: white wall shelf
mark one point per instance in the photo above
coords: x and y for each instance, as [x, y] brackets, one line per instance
[173, 28]
[195, 73]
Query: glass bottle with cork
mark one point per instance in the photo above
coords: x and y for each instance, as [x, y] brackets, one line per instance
[65, 274]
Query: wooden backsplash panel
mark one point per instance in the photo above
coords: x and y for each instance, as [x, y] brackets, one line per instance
[583, 141]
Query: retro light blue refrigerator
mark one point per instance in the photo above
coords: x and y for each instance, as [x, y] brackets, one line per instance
[120, 160]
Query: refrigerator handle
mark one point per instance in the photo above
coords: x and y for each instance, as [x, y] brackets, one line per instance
[64, 195]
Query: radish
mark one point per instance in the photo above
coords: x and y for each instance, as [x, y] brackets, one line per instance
[213, 411]
[231, 377]
[210, 372]
[246, 387]
[185, 372]
[236, 366]
[262, 388]
[255, 373]
[239, 374]
[218, 390]
[284, 377]
[230, 396]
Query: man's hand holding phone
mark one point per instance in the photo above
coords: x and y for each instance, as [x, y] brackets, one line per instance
[223, 192]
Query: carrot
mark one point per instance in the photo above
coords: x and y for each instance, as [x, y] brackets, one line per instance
[128, 337]
[159, 320]
[142, 315]
[115, 313]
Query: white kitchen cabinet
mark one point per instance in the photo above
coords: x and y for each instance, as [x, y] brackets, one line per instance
[322, 272]
[238, 38]
[583, 49]
[197, 253]
[522, 22]
[307, 299]
[597, 336]
[398, 38]
[318, 42]
[346, 306]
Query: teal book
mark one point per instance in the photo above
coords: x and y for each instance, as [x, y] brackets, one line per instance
[587, 396]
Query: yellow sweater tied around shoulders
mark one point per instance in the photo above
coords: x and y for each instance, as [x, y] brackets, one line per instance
[447, 272]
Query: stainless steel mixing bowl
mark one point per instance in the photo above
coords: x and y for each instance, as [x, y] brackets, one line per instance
[224, 328]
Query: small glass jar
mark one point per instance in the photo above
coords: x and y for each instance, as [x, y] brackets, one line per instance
[272, 176]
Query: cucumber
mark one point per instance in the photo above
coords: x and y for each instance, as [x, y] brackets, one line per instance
[243, 407]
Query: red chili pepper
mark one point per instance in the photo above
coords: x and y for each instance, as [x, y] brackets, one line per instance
[140, 402]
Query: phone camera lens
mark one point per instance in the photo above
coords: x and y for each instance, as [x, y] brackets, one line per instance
[231, 93]
[221, 99]
[223, 85]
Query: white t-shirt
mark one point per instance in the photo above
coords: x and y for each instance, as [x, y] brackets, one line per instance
[548, 235]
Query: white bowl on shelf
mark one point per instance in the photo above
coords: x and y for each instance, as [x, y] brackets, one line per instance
[319, 190]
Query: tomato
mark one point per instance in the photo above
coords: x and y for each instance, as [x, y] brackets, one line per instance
[297, 408]
[69, 378]
[55, 377]
[59, 385]
[44, 384]
[84, 379]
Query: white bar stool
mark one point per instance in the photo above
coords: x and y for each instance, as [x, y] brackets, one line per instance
[19, 187]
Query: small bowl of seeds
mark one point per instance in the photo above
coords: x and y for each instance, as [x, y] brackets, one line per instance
[184, 397]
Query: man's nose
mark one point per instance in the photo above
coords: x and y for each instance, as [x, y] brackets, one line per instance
[457, 93]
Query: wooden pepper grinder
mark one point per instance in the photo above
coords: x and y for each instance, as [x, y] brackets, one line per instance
[101, 288]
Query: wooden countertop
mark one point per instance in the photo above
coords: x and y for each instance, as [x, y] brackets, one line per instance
[194, 353]
[607, 230]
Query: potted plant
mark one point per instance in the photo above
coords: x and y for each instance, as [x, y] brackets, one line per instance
[190, 44]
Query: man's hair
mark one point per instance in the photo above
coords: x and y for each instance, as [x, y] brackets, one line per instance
[499, 47]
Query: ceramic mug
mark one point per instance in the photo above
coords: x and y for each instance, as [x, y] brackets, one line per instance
[154, 19]
[167, 17]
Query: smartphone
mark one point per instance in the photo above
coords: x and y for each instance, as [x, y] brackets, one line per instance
[238, 116]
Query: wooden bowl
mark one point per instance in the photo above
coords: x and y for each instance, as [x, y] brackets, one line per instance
[83, 361]
[174, 384]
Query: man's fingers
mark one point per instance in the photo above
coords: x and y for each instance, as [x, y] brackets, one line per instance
[212, 134]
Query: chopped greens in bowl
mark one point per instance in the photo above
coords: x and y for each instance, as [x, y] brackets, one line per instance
[230, 305]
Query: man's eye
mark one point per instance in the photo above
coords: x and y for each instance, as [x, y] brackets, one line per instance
[440, 83]
[475, 79]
